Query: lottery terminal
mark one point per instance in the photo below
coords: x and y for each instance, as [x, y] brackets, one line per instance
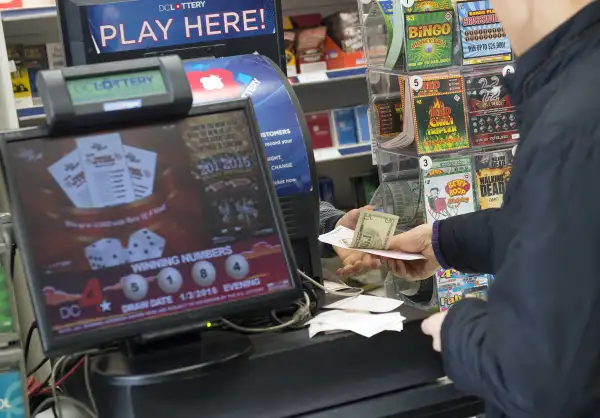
[155, 239]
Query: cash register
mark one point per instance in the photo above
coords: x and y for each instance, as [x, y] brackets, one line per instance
[145, 224]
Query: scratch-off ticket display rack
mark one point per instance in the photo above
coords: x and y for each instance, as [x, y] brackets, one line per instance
[443, 126]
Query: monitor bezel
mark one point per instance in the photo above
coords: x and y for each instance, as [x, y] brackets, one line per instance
[77, 342]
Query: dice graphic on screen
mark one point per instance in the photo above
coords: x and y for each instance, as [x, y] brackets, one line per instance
[107, 252]
[145, 245]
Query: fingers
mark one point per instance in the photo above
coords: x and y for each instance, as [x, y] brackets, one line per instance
[410, 242]
[350, 219]
[427, 326]
[397, 267]
[357, 263]
[432, 326]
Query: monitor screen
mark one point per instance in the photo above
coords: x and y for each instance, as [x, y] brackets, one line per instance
[122, 227]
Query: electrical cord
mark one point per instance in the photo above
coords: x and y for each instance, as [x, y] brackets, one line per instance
[356, 292]
[52, 401]
[301, 315]
[65, 376]
[88, 385]
[38, 367]
[53, 385]
[32, 328]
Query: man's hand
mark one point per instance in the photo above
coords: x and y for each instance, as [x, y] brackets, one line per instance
[355, 262]
[433, 326]
[417, 240]
[350, 219]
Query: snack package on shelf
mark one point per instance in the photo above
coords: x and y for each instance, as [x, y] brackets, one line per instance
[345, 126]
[56, 55]
[448, 188]
[20, 77]
[344, 28]
[492, 170]
[311, 49]
[492, 116]
[439, 113]
[319, 126]
[482, 36]
[35, 59]
[289, 38]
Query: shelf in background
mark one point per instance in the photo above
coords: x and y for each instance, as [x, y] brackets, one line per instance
[411, 151]
[317, 92]
[325, 76]
[331, 89]
[14, 15]
[299, 7]
[31, 113]
[35, 116]
[334, 153]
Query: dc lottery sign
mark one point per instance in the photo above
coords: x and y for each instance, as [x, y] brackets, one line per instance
[147, 24]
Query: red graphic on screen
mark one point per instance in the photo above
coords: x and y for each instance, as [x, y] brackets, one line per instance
[147, 222]
[212, 85]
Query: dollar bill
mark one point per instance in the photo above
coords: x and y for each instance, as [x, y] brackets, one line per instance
[374, 230]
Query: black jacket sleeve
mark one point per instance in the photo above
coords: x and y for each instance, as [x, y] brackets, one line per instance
[533, 349]
[466, 241]
[328, 218]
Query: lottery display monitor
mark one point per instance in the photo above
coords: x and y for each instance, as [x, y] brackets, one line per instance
[144, 228]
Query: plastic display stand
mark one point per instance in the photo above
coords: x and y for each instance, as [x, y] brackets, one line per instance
[442, 123]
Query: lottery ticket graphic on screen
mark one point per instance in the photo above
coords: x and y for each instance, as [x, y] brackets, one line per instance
[482, 35]
[101, 172]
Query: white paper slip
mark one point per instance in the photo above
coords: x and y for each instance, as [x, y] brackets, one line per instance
[68, 173]
[142, 169]
[334, 286]
[105, 169]
[366, 303]
[342, 235]
[364, 324]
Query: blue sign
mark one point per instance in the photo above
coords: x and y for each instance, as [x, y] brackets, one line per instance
[254, 77]
[148, 24]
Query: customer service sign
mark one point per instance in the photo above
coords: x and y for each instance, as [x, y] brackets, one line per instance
[148, 24]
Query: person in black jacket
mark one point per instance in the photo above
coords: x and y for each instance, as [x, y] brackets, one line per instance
[533, 349]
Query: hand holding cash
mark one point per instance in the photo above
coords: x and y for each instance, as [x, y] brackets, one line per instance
[373, 233]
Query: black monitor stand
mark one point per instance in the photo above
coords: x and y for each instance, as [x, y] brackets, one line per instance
[140, 364]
